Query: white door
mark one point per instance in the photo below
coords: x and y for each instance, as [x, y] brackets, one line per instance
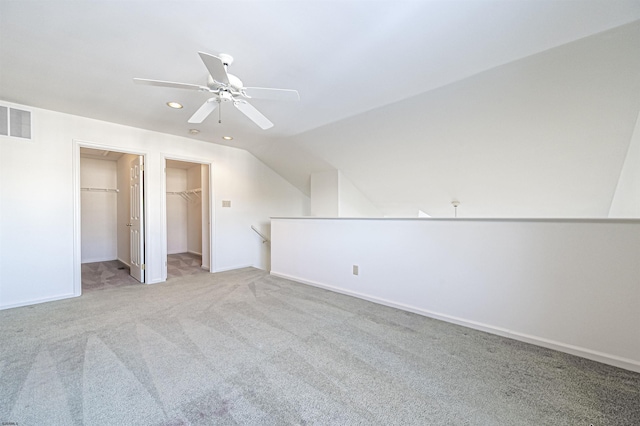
[136, 224]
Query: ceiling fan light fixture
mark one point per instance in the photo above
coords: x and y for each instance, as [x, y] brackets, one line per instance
[174, 105]
[227, 138]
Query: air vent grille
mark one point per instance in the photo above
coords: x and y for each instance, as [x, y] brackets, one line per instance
[15, 122]
[4, 121]
[20, 123]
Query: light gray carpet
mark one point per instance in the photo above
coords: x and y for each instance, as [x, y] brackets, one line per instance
[243, 347]
[113, 273]
[182, 264]
[108, 274]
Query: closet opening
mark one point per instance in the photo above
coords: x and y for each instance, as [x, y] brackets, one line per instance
[187, 218]
[111, 219]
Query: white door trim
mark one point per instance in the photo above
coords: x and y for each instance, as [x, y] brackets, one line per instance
[163, 197]
[77, 218]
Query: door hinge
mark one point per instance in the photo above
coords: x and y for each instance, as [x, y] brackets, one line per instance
[142, 266]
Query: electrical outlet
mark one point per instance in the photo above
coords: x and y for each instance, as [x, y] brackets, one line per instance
[355, 269]
[226, 203]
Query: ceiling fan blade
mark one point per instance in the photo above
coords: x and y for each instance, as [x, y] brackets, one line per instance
[215, 67]
[171, 84]
[204, 111]
[253, 114]
[274, 94]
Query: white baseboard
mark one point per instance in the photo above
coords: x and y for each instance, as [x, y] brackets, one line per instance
[126, 263]
[194, 252]
[98, 259]
[233, 267]
[616, 361]
[37, 301]
[180, 251]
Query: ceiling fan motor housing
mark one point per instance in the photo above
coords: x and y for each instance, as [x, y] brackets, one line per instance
[225, 96]
[234, 82]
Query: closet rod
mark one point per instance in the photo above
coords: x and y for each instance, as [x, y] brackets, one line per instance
[100, 189]
[187, 195]
[188, 191]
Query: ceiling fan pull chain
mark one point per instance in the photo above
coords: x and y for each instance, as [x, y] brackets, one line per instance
[219, 115]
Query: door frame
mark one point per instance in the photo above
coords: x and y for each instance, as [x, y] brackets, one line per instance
[163, 200]
[77, 215]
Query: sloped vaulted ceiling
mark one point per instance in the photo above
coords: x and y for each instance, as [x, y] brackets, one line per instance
[544, 136]
[517, 108]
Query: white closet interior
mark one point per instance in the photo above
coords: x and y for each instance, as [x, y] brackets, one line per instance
[99, 209]
[104, 205]
[187, 209]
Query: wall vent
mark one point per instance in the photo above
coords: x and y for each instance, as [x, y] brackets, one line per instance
[4, 121]
[15, 122]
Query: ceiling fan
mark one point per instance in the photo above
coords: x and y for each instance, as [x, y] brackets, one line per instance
[227, 88]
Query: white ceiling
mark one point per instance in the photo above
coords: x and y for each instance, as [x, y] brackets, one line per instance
[177, 164]
[346, 58]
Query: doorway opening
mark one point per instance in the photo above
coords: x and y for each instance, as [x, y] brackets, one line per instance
[111, 215]
[187, 218]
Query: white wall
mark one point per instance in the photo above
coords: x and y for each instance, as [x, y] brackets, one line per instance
[37, 214]
[324, 193]
[351, 202]
[334, 195]
[256, 193]
[626, 200]
[566, 284]
[176, 211]
[99, 210]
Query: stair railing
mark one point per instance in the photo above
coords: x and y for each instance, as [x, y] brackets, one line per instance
[264, 238]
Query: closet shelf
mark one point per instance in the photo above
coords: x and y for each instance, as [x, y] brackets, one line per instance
[100, 189]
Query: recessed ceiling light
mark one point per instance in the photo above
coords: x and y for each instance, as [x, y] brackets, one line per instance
[227, 138]
[194, 131]
[175, 105]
